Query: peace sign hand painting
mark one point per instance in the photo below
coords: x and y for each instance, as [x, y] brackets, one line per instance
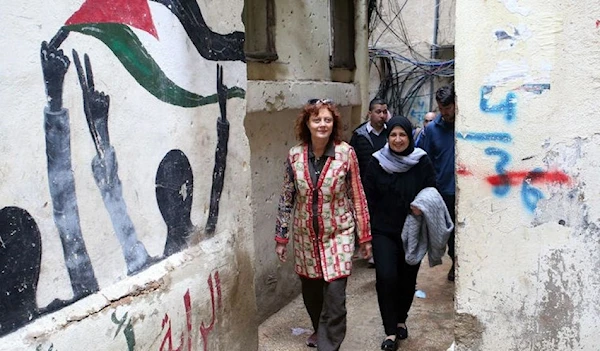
[105, 169]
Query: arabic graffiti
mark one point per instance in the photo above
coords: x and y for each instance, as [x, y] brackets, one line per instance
[127, 330]
[185, 338]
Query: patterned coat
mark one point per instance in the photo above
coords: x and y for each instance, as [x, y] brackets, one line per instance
[341, 206]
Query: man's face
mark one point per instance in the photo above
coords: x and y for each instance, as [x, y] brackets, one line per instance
[447, 112]
[428, 118]
[378, 115]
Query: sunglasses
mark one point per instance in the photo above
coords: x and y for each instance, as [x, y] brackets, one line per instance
[319, 101]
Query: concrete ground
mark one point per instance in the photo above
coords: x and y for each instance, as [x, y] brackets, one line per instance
[430, 322]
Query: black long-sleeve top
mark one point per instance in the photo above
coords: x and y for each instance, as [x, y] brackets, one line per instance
[389, 195]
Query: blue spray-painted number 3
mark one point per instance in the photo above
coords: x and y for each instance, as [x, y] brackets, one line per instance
[504, 188]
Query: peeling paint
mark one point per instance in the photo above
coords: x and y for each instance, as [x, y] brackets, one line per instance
[558, 326]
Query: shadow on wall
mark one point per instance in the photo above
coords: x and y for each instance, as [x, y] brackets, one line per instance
[275, 284]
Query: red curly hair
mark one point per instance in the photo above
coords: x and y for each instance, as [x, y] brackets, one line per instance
[312, 109]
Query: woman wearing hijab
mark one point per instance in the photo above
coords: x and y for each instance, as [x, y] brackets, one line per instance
[394, 177]
[324, 199]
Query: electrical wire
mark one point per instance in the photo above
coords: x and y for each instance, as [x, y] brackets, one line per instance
[403, 76]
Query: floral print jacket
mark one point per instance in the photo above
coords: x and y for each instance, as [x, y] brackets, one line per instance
[342, 210]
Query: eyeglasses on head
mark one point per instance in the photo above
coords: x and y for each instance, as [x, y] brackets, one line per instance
[319, 101]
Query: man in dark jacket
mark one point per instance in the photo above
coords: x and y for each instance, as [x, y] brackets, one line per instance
[438, 141]
[371, 135]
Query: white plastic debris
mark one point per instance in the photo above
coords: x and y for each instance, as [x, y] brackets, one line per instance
[420, 294]
[300, 331]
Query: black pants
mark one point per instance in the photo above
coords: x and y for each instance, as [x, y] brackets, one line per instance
[326, 306]
[396, 280]
[449, 200]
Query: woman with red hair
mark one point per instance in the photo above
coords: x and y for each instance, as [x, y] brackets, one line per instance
[322, 183]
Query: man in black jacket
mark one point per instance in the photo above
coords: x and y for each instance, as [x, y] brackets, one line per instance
[371, 135]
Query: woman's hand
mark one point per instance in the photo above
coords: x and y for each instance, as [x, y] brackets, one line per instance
[365, 250]
[281, 250]
[416, 211]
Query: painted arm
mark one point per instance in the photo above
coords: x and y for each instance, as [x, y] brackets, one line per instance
[60, 174]
[218, 178]
[105, 168]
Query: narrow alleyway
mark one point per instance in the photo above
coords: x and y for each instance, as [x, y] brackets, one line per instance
[430, 324]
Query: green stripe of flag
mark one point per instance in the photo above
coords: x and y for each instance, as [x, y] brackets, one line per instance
[127, 47]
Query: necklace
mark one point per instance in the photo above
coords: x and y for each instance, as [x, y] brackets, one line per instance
[316, 163]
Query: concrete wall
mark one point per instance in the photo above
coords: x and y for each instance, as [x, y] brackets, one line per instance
[276, 93]
[527, 219]
[153, 251]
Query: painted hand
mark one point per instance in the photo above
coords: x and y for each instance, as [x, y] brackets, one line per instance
[221, 92]
[54, 67]
[95, 104]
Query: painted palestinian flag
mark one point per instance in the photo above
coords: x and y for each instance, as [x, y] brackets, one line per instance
[110, 21]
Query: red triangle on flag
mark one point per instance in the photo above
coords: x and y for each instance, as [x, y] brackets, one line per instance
[135, 13]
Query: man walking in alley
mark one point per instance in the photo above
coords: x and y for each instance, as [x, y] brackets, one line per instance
[370, 137]
[438, 141]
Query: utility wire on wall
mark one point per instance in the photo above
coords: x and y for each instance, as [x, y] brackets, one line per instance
[403, 76]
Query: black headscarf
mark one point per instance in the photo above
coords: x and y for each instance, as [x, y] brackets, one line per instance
[403, 122]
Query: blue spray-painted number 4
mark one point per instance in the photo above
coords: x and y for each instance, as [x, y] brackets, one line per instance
[504, 188]
[508, 107]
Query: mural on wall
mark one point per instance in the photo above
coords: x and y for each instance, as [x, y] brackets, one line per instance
[20, 256]
[174, 195]
[105, 168]
[20, 237]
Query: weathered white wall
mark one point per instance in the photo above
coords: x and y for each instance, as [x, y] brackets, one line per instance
[527, 243]
[276, 93]
[142, 129]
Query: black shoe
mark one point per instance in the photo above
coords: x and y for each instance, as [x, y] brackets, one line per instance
[389, 345]
[312, 340]
[401, 333]
[451, 273]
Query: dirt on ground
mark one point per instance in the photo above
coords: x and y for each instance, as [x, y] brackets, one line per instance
[430, 322]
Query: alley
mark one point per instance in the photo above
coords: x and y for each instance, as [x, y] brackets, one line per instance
[430, 324]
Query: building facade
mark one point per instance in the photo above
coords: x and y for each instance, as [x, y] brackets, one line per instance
[319, 50]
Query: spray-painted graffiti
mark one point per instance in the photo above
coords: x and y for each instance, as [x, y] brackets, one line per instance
[111, 22]
[169, 340]
[186, 336]
[127, 329]
[418, 112]
[504, 180]
[507, 107]
[485, 137]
